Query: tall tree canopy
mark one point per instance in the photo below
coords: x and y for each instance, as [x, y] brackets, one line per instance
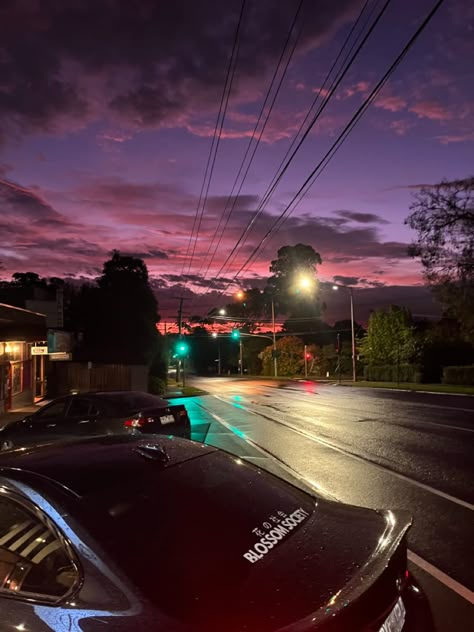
[390, 337]
[293, 264]
[121, 313]
[443, 216]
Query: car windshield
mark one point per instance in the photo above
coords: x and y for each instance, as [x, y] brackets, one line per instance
[193, 535]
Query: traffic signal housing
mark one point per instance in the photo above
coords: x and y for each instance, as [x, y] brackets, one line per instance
[235, 334]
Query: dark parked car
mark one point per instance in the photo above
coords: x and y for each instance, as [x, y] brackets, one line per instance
[134, 534]
[88, 414]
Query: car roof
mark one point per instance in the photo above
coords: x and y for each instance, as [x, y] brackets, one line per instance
[111, 394]
[90, 464]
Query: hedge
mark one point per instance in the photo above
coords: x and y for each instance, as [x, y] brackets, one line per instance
[463, 375]
[390, 373]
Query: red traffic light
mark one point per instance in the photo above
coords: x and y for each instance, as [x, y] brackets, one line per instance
[308, 356]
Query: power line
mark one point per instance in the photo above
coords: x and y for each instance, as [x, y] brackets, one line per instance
[275, 74]
[215, 144]
[315, 118]
[339, 141]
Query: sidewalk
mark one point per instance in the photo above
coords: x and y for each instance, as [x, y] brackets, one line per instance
[17, 414]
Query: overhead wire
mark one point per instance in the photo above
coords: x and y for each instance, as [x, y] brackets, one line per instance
[253, 136]
[316, 172]
[214, 147]
[336, 82]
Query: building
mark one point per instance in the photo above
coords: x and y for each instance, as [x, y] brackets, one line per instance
[22, 374]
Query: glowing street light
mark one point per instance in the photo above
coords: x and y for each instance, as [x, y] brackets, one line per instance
[305, 282]
[222, 312]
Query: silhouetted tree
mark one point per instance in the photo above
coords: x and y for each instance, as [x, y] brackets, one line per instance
[284, 286]
[443, 216]
[120, 314]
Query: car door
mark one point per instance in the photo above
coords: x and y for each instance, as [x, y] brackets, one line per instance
[82, 417]
[48, 422]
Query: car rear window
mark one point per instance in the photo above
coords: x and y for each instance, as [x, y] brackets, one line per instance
[195, 533]
[133, 400]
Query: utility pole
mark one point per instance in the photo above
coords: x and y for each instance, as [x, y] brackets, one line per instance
[275, 361]
[354, 375]
[180, 330]
[180, 327]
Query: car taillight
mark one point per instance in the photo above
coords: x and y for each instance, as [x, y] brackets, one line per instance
[137, 422]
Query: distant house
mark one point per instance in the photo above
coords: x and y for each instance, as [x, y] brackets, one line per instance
[22, 371]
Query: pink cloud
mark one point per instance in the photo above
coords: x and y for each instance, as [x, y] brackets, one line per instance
[391, 103]
[446, 139]
[357, 88]
[431, 110]
[321, 91]
[401, 126]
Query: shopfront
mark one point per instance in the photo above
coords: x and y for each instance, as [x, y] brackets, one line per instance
[20, 330]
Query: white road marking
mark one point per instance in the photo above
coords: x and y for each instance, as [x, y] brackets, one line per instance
[312, 484]
[331, 445]
[435, 572]
[448, 581]
[400, 421]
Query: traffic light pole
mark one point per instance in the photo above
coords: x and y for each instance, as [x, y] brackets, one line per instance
[305, 361]
[241, 358]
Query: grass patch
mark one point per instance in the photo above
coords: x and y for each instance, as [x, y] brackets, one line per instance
[174, 389]
[409, 386]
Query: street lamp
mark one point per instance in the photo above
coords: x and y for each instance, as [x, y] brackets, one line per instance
[347, 287]
[214, 335]
[240, 295]
[222, 311]
[305, 282]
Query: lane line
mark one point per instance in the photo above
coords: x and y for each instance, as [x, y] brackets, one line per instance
[448, 581]
[319, 489]
[435, 572]
[332, 446]
[401, 421]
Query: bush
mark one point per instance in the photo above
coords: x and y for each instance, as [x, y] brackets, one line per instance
[390, 373]
[156, 385]
[463, 375]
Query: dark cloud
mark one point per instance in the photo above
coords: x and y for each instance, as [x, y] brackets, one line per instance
[150, 62]
[418, 299]
[20, 202]
[333, 238]
[195, 280]
[363, 218]
[346, 280]
[151, 253]
[468, 181]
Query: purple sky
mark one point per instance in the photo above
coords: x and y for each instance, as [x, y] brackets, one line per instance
[107, 113]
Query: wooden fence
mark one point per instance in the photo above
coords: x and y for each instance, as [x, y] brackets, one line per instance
[82, 377]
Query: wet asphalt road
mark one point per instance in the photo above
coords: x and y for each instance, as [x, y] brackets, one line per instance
[371, 448]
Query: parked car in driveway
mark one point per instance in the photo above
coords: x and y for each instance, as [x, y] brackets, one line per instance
[98, 413]
[159, 533]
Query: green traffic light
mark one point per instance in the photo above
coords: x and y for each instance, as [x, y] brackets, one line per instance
[182, 348]
[235, 334]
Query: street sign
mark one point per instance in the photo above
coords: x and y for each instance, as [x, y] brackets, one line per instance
[39, 351]
[61, 355]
